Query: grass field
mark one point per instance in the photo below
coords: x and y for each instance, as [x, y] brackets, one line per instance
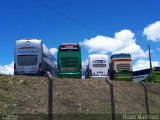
[74, 98]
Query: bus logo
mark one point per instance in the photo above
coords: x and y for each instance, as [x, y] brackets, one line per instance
[27, 43]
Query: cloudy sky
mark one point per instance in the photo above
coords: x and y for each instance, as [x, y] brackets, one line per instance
[99, 26]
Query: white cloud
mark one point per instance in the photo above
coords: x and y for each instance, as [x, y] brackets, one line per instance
[53, 51]
[123, 42]
[135, 50]
[7, 69]
[144, 64]
[152, 31]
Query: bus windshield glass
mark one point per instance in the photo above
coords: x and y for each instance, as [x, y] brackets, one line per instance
[69, 48]
[25, 60]
[99, 61]
[99, 65]
[157, 69]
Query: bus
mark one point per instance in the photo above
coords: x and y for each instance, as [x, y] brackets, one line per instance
[121, 67]
[156, 74]
[145, 76]
[98, 66]
[69, 60]
[32, 57]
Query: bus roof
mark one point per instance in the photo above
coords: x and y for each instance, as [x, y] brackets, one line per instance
[69, 44]
[33, 43]
[121, 55]
[141, 72]
[28, 43]
[98, 56]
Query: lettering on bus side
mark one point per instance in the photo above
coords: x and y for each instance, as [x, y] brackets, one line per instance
[27, 51]
[99, 61]
[69, 48]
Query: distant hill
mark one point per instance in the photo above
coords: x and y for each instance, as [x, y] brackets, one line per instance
[28, 95]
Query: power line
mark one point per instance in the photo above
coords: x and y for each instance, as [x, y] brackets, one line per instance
[68, 17]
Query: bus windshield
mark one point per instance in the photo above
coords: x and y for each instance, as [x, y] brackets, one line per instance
[99, 65]
[156, 69]
[25, 60]
[123, 67]
[69, 48]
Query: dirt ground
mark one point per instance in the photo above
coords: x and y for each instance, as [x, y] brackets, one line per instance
[29, 95]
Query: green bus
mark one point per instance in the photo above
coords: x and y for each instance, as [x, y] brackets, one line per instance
[69, 60]
[156, 74]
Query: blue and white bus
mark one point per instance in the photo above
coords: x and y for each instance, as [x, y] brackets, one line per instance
[33, 57]
[145, 75]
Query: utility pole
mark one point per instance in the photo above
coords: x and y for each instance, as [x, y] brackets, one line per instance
[50, 96]
[112, 99]
[146, 100]
[151, 75]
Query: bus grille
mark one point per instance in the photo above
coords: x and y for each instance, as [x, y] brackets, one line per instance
[123, 67]
[69, 61]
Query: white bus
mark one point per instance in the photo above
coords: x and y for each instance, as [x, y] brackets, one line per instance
[33, 57]
[98, 66]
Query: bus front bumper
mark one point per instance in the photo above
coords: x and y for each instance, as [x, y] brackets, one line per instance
[70, 75]
[124, 78]
[100, 77]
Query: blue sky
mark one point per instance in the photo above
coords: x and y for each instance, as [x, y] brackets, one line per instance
[82, 21]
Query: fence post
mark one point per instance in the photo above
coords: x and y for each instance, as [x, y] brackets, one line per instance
[146, 100]
[50, 96]
[112, 99]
